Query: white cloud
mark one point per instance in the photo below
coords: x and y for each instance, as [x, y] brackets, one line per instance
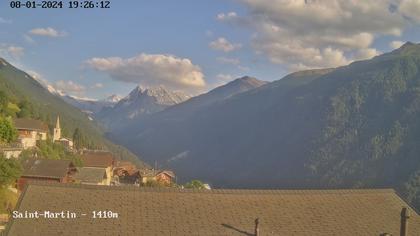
[299, 57]
[320, 33]
[97, 86]
[152, 70]
[69, 87]
[396, 44]
[410, 9]
[11, 51]
[223, 44]
[5, 21]
[47, 32]
[16, 52]
[366, 53]
[227, 16]
[228, 60]
[61, 87]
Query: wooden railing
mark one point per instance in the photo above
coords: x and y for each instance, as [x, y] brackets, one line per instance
[10, 145]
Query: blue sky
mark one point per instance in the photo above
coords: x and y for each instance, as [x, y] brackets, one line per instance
[193, 46]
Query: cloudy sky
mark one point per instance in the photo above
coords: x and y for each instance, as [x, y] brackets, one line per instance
[193, 46]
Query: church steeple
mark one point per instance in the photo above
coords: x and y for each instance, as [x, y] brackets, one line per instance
[57, 130]
[57, 125]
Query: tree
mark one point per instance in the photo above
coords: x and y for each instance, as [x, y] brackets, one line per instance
[195, 184]
[8, 132]
[10, 170]
[4, 101]
[78, 139]
[26, 109]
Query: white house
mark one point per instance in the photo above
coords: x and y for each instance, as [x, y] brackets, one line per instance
[30, 131]
[11, 150]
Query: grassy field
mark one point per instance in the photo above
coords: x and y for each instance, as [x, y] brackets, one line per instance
[6, 197]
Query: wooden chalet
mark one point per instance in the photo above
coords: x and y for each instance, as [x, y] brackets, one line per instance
[100, 159]
[165, 177]
[60, 171]
[126, 173]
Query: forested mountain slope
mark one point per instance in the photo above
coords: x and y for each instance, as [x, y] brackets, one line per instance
[355, 126]
[37, 102]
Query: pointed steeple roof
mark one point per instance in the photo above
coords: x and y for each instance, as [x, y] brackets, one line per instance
[57, 125]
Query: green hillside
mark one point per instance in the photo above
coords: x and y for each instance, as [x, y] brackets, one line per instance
[29, 98]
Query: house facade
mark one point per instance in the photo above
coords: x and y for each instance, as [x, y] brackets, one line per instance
[164, 177]
[30, 131]
[126, 173]
[100, 159]
[147, 175]
[12, 150]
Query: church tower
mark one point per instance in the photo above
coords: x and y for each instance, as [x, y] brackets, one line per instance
[57, 130]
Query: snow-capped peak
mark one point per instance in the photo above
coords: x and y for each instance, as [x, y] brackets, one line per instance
[114, 98]
[160, 94]
[83, 99]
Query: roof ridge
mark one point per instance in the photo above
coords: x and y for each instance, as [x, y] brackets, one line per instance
[219, 191]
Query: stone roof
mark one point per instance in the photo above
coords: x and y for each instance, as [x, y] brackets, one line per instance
[30, 124]
[97, 159]
[90, 174]
[46, 168]
[170, 211]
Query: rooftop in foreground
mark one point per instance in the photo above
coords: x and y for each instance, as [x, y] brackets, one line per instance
[168, 211]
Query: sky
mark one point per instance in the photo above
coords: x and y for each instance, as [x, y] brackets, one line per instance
[194, 46]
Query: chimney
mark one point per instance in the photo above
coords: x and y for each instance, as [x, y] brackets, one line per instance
[257, 229]
[405, 215]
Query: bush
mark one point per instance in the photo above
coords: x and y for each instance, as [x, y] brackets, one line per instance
[10, 171]
[8, 132]
[195, 184]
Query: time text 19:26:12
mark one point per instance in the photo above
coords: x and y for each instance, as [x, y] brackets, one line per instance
[60, 4]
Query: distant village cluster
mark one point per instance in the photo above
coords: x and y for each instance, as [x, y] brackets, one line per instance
[99, 167]
[30, 132]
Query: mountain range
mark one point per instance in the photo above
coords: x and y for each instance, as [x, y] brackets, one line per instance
[91, 106]
[352, 126]
[141, 101]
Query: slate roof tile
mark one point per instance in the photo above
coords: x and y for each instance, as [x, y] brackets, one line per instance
[170, 211]
[46, 168]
